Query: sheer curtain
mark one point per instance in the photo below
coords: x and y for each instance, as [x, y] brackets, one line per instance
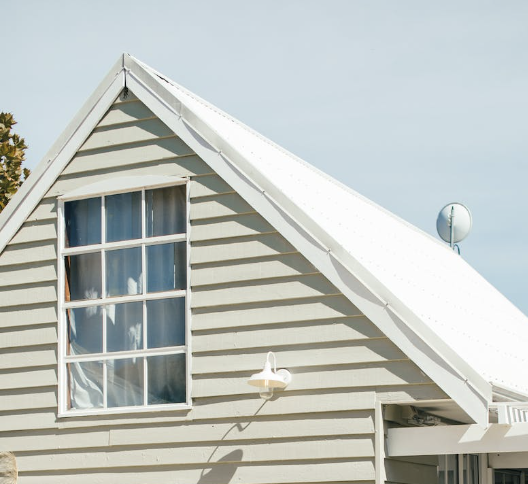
[83, 281]
[83, 222]
[165, 266]
[166, 211]
[124, 330]
[166, 270]
[86, 384]
[123, 216]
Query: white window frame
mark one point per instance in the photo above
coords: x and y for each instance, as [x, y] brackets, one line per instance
[105, 188]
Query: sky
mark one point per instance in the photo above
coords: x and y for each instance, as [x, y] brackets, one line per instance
[412, 103]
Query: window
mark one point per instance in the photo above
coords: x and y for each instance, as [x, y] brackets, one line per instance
[458, 469]
[510, 476]
[123, 271]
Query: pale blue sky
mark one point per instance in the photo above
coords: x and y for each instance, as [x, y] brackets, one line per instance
[412, 103]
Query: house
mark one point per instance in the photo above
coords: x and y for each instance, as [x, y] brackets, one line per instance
[159, 252]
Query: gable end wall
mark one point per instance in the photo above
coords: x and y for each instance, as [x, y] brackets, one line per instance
[251, 292]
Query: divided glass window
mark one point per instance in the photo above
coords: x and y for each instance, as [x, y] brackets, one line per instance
[458, 469]
[124, 262]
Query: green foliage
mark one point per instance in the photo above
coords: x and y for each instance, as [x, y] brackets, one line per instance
[12, 151]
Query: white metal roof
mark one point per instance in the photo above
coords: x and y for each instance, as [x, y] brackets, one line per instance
[457, 327]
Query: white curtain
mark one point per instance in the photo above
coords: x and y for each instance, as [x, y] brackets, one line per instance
[124, 332]
[123, 216]
[83, 222]
[166, 211]
[166, 270]
[86, 384]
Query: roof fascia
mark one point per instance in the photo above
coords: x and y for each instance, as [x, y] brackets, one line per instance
[406, 330]
[60, 154]
[502, 393]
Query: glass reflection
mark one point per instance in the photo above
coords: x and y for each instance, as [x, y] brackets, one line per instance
[123, 272]
[166, 322]
[166, 267]
[124, 326]
[125, 382]
[166, 379]
[85, 330]
[123, 216]
[83, 276]
[83, 222]
[166, 211]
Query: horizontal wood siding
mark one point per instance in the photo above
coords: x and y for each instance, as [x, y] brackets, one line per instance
[28, 273]
[228, 470]
[251, 292]
[29, 252]
[28, 335]
[27, 315]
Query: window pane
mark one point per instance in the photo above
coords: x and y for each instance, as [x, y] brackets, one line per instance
[166, 267]
[125, 382]
[508, 477]
[441, 469]
[123, 272]
[473, 471]
[85, 330]
[166, 379]
[166, 322]
[83, 222]
[123, 216]
[83, 274]
[165, 211]
[452, 469]
[124, 327]
[86, 384]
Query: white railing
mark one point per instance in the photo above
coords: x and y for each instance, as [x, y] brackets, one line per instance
[511, 412]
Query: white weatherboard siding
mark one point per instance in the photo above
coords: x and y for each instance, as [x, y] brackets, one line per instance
[252, 291]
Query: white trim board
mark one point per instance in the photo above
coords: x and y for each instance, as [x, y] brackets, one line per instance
[457, 439]
[508, 460]
[123, 184]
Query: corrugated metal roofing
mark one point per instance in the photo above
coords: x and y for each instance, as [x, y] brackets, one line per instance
[437, 285]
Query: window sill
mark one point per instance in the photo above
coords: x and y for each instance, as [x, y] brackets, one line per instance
[102, 412]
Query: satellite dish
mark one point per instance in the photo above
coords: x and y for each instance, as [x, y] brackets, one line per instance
[453, 223]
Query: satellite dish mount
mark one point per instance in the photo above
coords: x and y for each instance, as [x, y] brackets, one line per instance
[454, 224]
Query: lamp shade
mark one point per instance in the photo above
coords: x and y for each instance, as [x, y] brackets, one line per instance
[267, 378]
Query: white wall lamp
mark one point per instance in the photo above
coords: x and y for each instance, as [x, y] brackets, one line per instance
[267, 380]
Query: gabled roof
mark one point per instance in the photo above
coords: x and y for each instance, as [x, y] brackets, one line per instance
[454, 325]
